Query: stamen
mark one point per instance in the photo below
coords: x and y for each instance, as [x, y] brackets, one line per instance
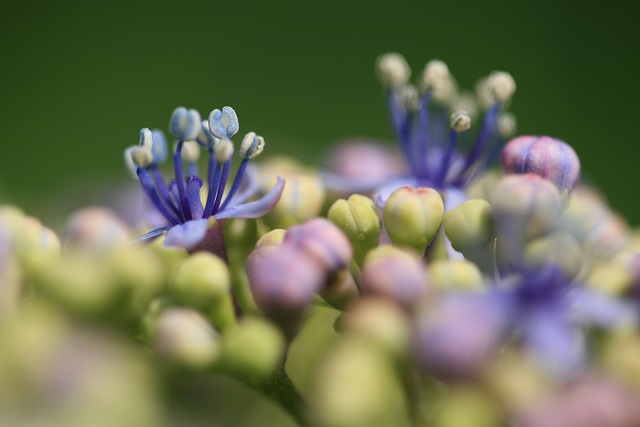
[163, 192]
[182, 191]
[392, 70]
[205, 138]
[185, 124]
[221, 153]
[252, 146]
[502, 86]
[222, 185]
[223, 124]
[460, 122]
[191, 154]
[420, 159]
[158, 146]
[147, 185]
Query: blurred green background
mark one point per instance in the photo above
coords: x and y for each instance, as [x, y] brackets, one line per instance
[79, 79]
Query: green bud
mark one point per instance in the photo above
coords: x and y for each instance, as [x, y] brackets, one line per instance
[469, 227]
[253, 351]
[358, 218]
[301, 200]
[170, 256]
[243, 233]
[202, 281]
[609, 278]
[621, 357]
[467, 406]
[268, 242]
[483, 187]
[412, 216]
[458, 275]
[384, 323]
[560, 249]
[183, 336]
[340, 291]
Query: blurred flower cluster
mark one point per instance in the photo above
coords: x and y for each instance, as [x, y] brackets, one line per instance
[468, 278]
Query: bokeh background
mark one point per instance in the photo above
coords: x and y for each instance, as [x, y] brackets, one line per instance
[79, 79]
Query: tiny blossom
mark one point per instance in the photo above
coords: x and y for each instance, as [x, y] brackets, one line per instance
[180, 202]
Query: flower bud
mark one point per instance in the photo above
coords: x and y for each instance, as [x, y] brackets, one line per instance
[412, 216]
[560, 249]
[550, 158]
[301, 200]
[469, 227]
[283, 283]
[358, 218]
[183, 336]
[95, 229]
[341, 291]
[455, 275]
[384, 323]
[202, 281]
[394, 274]
[323, 242]
[252, 352]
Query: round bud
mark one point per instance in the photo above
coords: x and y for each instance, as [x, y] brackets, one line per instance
[185, 124]
[525, 206]
[392, 69]
[322, 241]
[501, 85]
[223, 150]
[469, 225]
[547, 157]
[95, 229]
[223, 124]
[358, 219]
[455, 275]
[460, 121]
[200, 281]
[395, 275]
[560, 249]
[302, 199]
[184, 336]
[252, 145]
[412, 216]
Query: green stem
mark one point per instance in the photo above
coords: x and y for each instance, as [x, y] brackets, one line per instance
[281, 389]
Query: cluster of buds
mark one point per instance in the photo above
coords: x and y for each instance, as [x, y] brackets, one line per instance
[439, 293]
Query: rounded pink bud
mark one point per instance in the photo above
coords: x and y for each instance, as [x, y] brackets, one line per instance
[550, 158]
[322, 241]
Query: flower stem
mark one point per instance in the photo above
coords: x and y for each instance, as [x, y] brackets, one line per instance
[281, 389]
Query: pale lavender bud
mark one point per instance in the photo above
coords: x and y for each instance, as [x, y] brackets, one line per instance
[323, 242]
[551, 158]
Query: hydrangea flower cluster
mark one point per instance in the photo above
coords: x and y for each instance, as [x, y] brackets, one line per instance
[451, 295]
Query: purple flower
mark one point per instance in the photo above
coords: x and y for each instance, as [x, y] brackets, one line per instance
[179, 201]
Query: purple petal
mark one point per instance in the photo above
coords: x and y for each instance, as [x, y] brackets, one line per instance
[186, 235]
[255, 209]
[381, 194]
[551, 337]
[249, 186]
[593, 308]
[349, 185]
[150, 236]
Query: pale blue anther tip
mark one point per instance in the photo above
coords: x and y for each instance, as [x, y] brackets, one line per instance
[185, 124]
[223, 124]
[158, 146]
[205, 137]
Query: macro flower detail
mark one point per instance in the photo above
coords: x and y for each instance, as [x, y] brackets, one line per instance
[179, 202]
[436, 157]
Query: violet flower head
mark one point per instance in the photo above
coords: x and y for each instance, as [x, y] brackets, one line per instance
[548, 313]
[438, 150]
[179, 201]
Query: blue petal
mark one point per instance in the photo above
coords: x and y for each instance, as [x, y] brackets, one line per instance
[249, 186]
[591, 307]
[381, 195]
[150, 236]
[551, 337]
[255, 209]
[186, 235]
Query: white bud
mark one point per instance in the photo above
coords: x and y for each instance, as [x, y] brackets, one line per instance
[501, 85]
[460, 121]
[392, 69]
[507, 125]
[223, 150]
[141, 156]
[252, 145]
